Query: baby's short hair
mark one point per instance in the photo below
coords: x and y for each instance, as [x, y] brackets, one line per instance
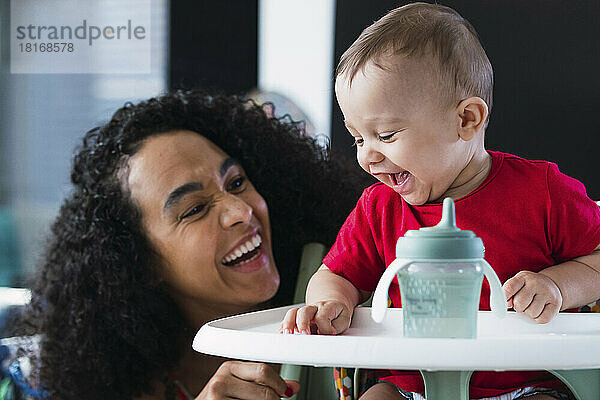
[420, 31]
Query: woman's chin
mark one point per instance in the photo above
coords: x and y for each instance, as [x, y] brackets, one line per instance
[260, 296]
[264, 283]
[269, 289]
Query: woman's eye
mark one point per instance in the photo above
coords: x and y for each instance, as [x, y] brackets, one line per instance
[196, 210]
[237, 184]
[387, 136]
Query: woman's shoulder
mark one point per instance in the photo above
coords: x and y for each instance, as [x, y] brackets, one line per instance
[19, 368]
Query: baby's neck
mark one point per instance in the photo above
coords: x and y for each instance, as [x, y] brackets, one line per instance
[472, 175]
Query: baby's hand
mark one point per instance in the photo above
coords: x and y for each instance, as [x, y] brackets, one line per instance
[324, 317]
[533, 294]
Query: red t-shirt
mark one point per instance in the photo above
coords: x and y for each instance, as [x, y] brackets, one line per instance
[528, 214]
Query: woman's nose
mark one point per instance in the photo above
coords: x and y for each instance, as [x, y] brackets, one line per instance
[234, 211]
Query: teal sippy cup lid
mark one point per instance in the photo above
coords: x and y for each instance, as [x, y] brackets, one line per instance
[442, 241]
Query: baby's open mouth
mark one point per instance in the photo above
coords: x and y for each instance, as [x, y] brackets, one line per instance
[244, 253]
[400, 178]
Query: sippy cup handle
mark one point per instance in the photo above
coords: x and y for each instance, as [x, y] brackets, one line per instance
[379, 305]
[497, 296]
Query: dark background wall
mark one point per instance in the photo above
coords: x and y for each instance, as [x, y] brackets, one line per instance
[214, 44]
[545, 54]
[546, 60]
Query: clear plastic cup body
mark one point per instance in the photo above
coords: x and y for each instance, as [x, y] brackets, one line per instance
[440, 300]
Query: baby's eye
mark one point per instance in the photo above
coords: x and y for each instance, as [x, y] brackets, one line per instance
[237, 185]
[387, 136]
[358, 141]
[196, 210]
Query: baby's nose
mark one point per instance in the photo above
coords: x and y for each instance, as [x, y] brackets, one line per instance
[371, 155]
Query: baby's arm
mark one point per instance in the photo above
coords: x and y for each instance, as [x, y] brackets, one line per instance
[542, 295]
[330, 302]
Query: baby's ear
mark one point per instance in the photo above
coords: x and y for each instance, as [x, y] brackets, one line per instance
[473, 113]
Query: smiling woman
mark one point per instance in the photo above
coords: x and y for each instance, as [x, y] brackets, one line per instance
[210, 205]
[185, 208]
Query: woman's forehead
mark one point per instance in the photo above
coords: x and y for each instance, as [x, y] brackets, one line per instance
[170, 160]
[184, 149]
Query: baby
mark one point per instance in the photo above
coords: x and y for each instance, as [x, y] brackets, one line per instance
[415, 90]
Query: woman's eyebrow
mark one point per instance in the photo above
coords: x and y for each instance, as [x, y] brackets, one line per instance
[189, 187]
[228, 163]
[181, 191]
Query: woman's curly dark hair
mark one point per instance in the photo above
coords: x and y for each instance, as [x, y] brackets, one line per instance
[109, 328]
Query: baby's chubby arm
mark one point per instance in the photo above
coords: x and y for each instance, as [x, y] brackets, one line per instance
[542, 295]
[330, 303]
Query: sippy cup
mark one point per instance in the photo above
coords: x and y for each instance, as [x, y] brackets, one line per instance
[440, 271]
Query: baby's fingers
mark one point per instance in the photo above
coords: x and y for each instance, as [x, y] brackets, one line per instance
[513, 285]
[536, 307]
[304, 318]
[523, 300]
[289, 321]
[550, 311]
[332, 318]
[509, 303]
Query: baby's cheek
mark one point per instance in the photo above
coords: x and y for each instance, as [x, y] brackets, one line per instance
[362, 162]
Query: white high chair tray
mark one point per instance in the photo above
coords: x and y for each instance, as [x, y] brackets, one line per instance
[571, 341]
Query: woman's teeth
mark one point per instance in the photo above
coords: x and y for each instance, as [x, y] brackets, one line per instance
[248, 247]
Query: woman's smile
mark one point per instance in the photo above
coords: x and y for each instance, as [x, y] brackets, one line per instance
[244, 251]
[248, 255]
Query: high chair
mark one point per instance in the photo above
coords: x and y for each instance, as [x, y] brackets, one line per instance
[319, 383]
